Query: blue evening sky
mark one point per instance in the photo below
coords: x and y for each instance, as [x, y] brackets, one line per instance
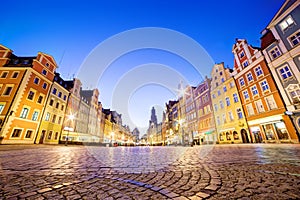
[70, 30]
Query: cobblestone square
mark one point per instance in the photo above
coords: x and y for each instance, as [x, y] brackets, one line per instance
[254, 171]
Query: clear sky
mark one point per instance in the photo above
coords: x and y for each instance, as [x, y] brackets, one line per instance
[70, 30]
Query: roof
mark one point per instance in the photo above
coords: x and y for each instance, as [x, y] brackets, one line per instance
[16, 61]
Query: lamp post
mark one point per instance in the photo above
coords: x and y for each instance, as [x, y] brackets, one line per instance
[70, 118]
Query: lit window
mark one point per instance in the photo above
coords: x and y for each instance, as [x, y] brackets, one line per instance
[254, 90]
[295, 39]
[242, 82]
[275, 53]
[246, 95]
[28, 134]
[47, 116]
[250, 109]
[258, 71]
[285, 72]
[49, 135]
[35, 115]
[30, 95]
[264, 85]
[1, 107]
[24, 113]
[271, 102]
[287, 22]
[259, 106]
[16, 133]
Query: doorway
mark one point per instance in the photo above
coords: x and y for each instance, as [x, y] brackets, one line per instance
[42, 137]
[244, 136]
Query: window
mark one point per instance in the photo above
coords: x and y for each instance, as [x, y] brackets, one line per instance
[7, 91]
[287, 22]
[275, 53]
[258, 71]
[242, 82]
[216, 107]
[15, 74]
[264, 85]
[57, 105]
[44, 72]
[47, 64]
[242, 54]
[47, 116]
[227, 101]
[250, 109]
[213, 96]
[222, 80]
[219, 92]
[1, 107]
[28, 134]
[225, 89]
[16, 133]
[285, 72]
[271, 102]
[231, 84]
[235, 98]
[59, 120]
[30, 95]
[4, 74]
[224, 118]
[65, 97]
[54, 91]
[36, 80]
[56, 136]
[45, 85]
[53, 118]
[51, 102]
[294, 91]
[245, 64]
[239, 113]
[35, 115]
[295, 39]
[221, 104]
[49, 135]
[40, 99]
[249, 77]
[218, 120]
[259, 106]
[231, 118]
[59, 94]
[24, 113]
[254, 90]
[246, 95]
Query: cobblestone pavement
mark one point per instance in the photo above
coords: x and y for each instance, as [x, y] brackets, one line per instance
[255, 171]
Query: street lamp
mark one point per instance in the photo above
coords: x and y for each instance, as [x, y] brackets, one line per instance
[70, 118]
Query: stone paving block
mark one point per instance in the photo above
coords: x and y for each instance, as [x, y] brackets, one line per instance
[44, 190]
[202, 195]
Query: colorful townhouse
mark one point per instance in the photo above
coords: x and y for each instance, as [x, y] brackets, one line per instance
[231, 125]
[174, 127]
[25, 84]
[53, 116]
[262, 103]
[280, 43]
[206, 132]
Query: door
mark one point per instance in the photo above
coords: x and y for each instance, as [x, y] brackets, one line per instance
[244, 136]
[42, 137]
